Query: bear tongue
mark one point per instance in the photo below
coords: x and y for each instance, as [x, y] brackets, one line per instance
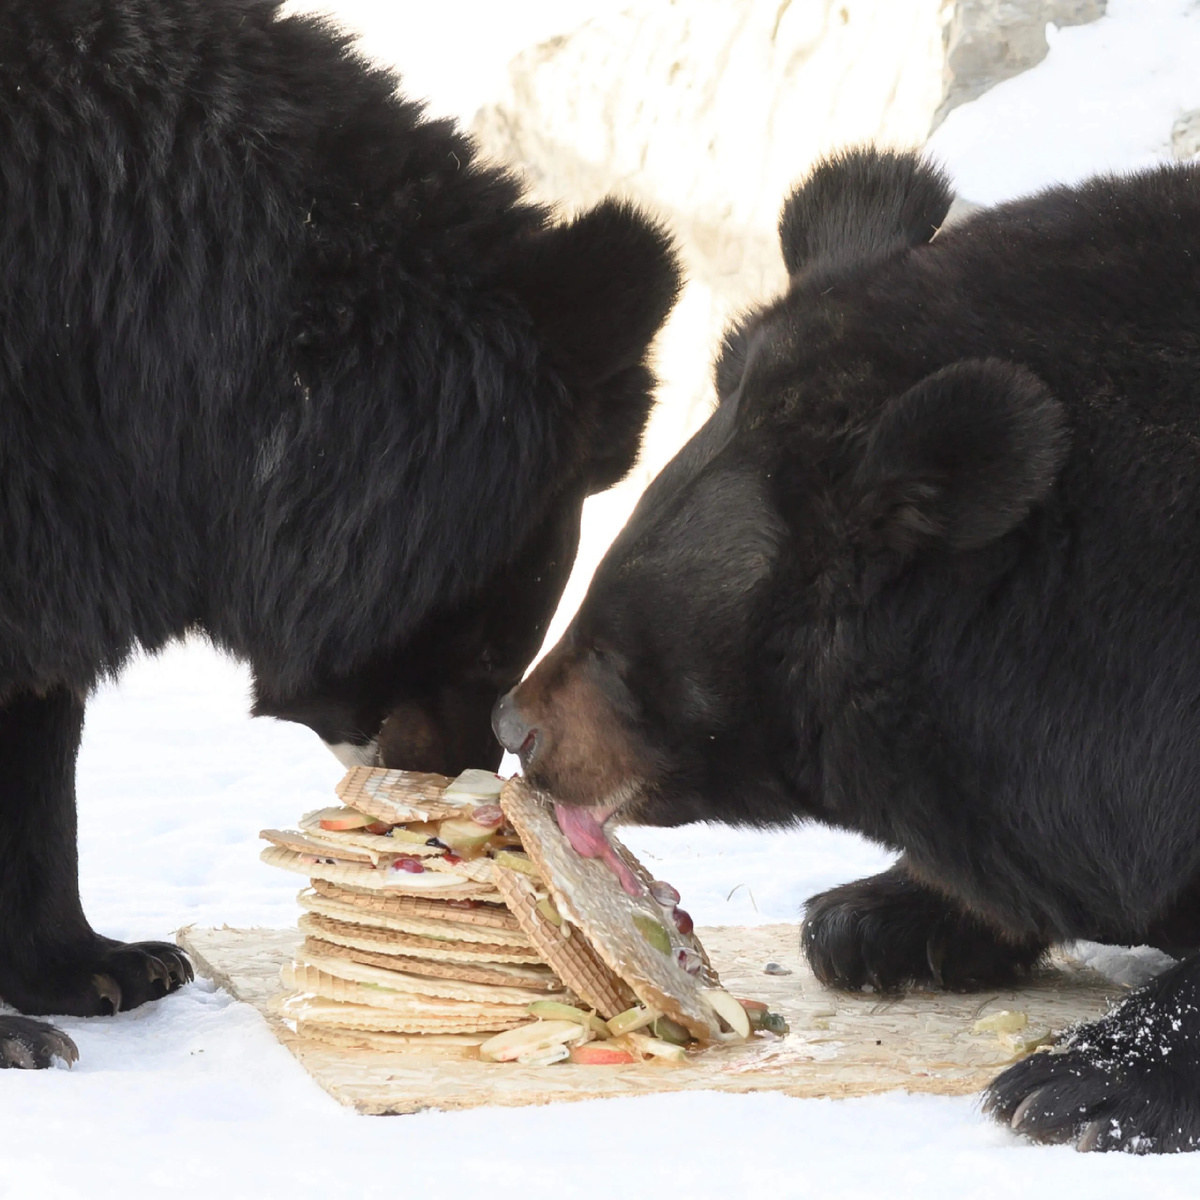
[587, 837]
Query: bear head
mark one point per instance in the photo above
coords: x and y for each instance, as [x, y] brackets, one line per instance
[590, 294]
[734, 612]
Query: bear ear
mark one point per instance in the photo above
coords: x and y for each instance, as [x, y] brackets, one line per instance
[961, 458]
[860, 205]
[598, 289]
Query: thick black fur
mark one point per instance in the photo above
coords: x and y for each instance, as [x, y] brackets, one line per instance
[932, 572]
[283, 363]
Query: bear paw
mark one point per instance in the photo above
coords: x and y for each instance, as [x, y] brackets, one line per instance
[1130, 1081]
[890, 932]
[113, 977]
[33, 1045]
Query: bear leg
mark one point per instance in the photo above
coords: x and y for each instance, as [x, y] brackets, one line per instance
[1130, 1081]
[891, 932]
[51, 961]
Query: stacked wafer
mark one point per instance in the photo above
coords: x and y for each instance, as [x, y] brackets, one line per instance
[440, 913]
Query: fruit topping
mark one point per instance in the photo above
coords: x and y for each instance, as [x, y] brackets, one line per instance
[464, 836]
[452, 858]
[670, 1031]
[382, 828]
[338, 819]
[776, 1023]
[594, 1054]
[687, 959]
[653, 932]
[489, 815]
[683, 921]
[473, 784]
[414, 866]
[546, 907]
[664, 893]
[515, 861]
[637, 1017]
[657, 1048]
[554, 1010]
[728, 1009]
[530, 1039]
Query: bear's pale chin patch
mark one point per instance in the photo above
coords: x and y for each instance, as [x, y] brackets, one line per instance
[350, 755]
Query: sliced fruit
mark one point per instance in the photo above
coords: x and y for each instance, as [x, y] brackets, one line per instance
[546, 907]
[491, 815]
[664, 893]
[683, 921]
[516, 861]
[597, 1054]
[549, 1010]
[414, 866]
[473, 784]
[728, 1009]
[653, 932]
[776, 1023]
[378, 827]
[657, 1048]
[1004, 1021]
[753, 1006]
[400, 834]
[671, 1031]
[463, 835]
[545, 1058]
[530, 1039]
[637, 1017]
[342, 818]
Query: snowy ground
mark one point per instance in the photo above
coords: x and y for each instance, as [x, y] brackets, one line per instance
[192, 1095]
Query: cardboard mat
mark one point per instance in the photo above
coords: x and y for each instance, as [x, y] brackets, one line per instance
[839, 1045]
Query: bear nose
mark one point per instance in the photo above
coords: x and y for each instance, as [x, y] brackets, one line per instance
[511, 729]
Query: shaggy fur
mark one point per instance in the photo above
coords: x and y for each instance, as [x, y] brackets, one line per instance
[931, 573]
[280, 362]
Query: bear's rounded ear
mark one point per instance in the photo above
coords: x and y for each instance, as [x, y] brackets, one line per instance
[598, 289]
[860, 205]
[959, 459]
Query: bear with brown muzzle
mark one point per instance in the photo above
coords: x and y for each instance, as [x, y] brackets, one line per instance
[929, 573]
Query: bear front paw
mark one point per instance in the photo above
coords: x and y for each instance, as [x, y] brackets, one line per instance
[33, 1045]
[1130, 1081]
[106, 978]
[891, 932]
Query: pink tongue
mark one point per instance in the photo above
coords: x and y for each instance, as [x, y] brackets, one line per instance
[586, 836]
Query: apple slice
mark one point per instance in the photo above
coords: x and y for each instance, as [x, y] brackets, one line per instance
[530, 1039]
[464, 836]
[728, 1009]
[473, 784]
[657, 1048]
[517, 862]
[548, 1010]
[637, 1017]
[338, 819]
[597, 1054]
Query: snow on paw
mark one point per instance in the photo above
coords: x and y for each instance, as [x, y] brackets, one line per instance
[1130, 1081]
[33, 1045]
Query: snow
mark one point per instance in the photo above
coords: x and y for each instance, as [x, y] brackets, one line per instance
[192, 1095]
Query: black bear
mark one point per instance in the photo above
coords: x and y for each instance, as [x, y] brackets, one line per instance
[284, 363]
[931, 571]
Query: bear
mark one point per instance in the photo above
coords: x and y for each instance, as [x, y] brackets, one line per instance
[286, 364]
[930, 572]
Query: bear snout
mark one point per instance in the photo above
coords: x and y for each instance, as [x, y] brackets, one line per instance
[511, 728]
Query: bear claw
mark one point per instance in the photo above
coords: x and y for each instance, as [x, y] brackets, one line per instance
[33, 1045]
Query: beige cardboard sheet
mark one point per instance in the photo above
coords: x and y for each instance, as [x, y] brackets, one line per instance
[840, 1045]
